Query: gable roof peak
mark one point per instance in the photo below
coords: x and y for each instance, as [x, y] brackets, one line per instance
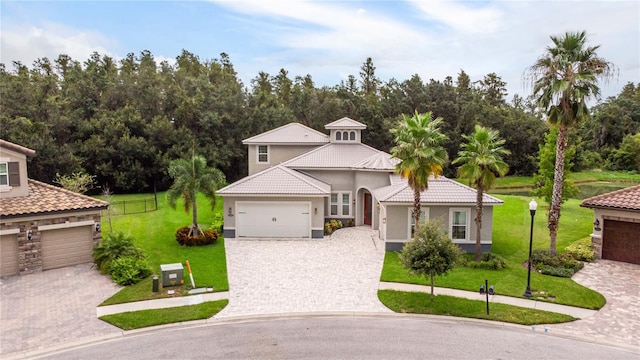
[345, 123]
[292, 133]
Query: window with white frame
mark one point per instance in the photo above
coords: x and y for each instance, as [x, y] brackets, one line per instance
[340, 204]
[424, 216]
[263, 154]
[459, 224]
[4, 174]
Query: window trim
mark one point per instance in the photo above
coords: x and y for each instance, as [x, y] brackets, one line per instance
[6, 173]
[466, 225]
[340, 203]
[423, 209]
[267, 153]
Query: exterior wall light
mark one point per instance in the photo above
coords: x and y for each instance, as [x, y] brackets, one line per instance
[596, 225]
[230, 213]
[29, 234]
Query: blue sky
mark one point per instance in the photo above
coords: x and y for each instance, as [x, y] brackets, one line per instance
[327, 39]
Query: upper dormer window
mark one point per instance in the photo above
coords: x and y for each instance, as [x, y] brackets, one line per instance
[263, 154]
[4, 174]
[338, 135]
[352, 136]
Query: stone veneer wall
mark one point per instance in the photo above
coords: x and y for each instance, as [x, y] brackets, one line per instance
[29, 260]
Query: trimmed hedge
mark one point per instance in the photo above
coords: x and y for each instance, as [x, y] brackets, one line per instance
[562, 265]
[489, 261]
[207, 238]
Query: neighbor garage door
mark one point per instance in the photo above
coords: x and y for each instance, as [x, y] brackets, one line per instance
[272, 219]
[8, 255]
[64, 247]
[621, 241]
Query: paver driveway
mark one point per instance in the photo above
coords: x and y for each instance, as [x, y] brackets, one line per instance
[337, 274]
[619, 320]
[54, 307]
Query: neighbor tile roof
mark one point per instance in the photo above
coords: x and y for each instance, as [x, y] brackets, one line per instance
[345, 123]
[333, 156]
[44, 198]
[277, 180]
[624, 199]
[441, 191]
[293, 133]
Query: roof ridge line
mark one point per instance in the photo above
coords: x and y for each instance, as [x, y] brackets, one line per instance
[284, 126]
[300, 177]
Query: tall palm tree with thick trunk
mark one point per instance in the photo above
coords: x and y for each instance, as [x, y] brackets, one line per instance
[481, 159]
[189, 178]
[564, 78]
[421, 154]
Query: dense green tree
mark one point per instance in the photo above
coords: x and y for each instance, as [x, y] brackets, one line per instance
[481, 161]
[419, 148]
[543, 180]
[431, 253]
[627, 157]
[564, 78]
[191, 177]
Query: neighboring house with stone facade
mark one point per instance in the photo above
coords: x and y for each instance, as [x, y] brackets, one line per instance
[300, 178]
[41, 226]
[616, 225]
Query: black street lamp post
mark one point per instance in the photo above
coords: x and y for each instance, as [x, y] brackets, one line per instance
[532, 209]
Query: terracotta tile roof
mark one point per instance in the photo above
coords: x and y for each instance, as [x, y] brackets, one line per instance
[624, 199]
[277, 180]
[345, 123]
[333, 156]
[44, 198]
[441, 191]
[293, 133]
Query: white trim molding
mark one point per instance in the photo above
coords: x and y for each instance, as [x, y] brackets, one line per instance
[66, 225]
[9, 231]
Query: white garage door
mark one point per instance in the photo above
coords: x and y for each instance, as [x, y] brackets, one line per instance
[272, 219]
[64, 247]
[8, 255]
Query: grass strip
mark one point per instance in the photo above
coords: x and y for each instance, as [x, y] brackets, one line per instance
[145, 318]
[419, 303]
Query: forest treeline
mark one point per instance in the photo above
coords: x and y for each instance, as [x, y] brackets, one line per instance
[124, 121]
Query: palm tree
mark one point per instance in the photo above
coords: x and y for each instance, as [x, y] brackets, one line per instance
[481, 159]
[191, 177]
[421, 154]
[563, 78]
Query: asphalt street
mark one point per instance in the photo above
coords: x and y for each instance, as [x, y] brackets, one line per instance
[350, 337]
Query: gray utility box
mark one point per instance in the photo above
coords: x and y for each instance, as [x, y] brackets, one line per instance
[172, 274]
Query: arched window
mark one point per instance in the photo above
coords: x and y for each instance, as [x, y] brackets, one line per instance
[338, 135]
[345, 136]
[352, 136]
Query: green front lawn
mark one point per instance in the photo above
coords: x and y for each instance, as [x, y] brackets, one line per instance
[145, 318]
[419, 303]
[579, 177]
[154, 232]
[511, 224]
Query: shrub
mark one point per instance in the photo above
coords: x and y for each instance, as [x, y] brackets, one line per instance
[489, 261]
[331, 226]
[581, 250]
[563, 265]
[129, 270]
[114, 246]
[208, 237]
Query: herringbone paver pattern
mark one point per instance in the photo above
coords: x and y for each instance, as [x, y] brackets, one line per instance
[338, 273]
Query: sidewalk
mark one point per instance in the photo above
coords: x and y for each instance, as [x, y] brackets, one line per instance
[576, 312]
[532, 304]
[161, 303]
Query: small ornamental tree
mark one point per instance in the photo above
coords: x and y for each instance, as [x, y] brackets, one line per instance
[430, 253]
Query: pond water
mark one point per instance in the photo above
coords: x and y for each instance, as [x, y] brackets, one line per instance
[586, 190]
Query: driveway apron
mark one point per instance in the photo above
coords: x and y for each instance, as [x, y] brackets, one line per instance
[619, 320]
[339, 273]
[54, 307]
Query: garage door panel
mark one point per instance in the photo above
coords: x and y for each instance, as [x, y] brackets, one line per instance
[621, 241]
[9, 255]
[65, 247]
[273, 219]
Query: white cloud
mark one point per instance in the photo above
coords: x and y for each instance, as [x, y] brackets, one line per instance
[26, 43]
[468, 19]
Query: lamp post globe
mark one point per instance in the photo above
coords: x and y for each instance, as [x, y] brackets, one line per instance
[533, 206]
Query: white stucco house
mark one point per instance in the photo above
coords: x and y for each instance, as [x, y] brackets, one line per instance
[300, 178]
